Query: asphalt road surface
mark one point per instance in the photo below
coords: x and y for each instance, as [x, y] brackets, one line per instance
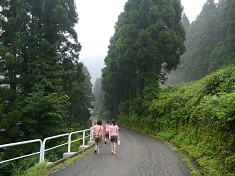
[138, 155]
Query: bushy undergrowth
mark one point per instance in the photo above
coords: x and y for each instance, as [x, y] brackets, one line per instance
[198, 117]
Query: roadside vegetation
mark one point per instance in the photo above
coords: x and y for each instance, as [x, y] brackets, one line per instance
[44, 170]
[197, 117]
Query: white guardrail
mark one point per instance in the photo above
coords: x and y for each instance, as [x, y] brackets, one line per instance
[43, 144]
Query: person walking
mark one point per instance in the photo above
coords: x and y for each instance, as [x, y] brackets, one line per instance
[98, 135]
[113, 136]
[106, 132]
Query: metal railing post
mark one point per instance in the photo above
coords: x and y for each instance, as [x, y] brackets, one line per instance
[69, 142]
[83, 138]
[40, 157]
[91, 134]
[43, 150]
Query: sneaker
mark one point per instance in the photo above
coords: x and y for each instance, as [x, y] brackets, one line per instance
[95, 151]
[104, 142]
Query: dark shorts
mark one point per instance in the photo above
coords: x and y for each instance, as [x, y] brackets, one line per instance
[106, 135]
[113, 139]
[98, 140]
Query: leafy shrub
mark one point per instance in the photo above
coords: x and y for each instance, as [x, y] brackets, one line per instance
[230, 162]
[167, 135]
[220, 82]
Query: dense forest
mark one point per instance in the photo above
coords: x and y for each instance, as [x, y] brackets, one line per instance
[44, 89]
[175, 80]
[210, 43]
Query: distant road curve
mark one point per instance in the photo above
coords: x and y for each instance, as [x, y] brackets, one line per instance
[138, 155]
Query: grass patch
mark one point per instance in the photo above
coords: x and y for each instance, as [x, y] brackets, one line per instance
[43, 170]
[189, 162]
[200, 152]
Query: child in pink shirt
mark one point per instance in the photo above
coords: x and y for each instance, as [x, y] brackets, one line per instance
[98, 135]
[113, 136]
[106, 131]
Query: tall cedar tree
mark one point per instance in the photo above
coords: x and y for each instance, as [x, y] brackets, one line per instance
[147, 44]
[98, 96]
[99, 108]
[185, 21]
[39, 70]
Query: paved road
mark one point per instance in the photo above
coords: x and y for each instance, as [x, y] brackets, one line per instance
[138, 155]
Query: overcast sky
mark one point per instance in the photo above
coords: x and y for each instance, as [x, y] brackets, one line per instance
[96, 26]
